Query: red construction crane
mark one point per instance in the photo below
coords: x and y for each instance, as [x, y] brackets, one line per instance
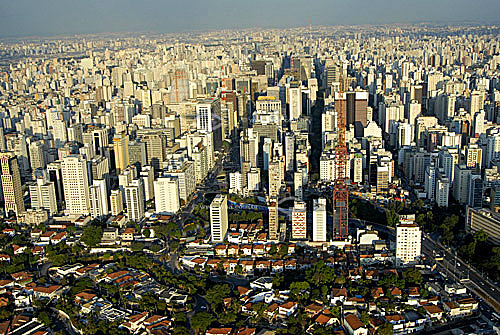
[340, 192]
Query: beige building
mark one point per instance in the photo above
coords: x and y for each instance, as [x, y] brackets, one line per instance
[485, 220]
[76, 185]
[11, 183]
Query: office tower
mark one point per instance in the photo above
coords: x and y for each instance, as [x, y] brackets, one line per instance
[148, 176]
[414, 110]
[99, 168]
[137, 154]
[383, 173]
[166, 191]
[76, 185]
[355, 105]
[120, 148]
[408, 244]
[461, 183]
[473, 157]
[268, 104]
[116, 202]
[59, 133]
[134, 198]
[477, 219]
[446, 162]
[475, 191]
[55, 176]
[75, 133]
[201, 165]
[155, 149]
[186, 179]
[98, 199]
[319, 220]
[235, 182]
[273, 219]
[405, 135]
[289, 151]
[299, 221]
[37, 155]
[43, 195]
[442, 191]
[295, 102]
[274, 178]
[430, 181]
[249, 147]
[298, 184]
[218, 218]
[357, 168]
[253, 180]
[267, 151]
[97, 139]
[208, 120]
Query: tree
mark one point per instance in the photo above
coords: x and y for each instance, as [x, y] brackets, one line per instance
[137, 246]
[413, 276]
[215, 295]
[283, 250]
[300, 289]
[91, 235]
[181, 330]
[146, 232]
[386, 329]
[365, 318]
[201, 321]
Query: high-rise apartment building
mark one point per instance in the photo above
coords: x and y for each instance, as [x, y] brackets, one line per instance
[98, 198]
[134, 198]
[299, 221]
[11, 183]
[43, 195]
[218, 218]
[319, 220]
[76, 185]
[166, 190]
[408, 244]
[273, 220]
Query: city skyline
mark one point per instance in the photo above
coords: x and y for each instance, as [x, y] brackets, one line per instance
[57, 17]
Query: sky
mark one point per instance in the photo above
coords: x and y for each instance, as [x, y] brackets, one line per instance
[55, 17]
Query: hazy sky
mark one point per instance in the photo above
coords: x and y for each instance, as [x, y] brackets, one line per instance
[49, 17]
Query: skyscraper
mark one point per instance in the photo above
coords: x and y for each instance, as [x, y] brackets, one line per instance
[218, 218]
[98, 198]
[408, 243]
[273, 220]
[134, 197]
[120, 147]
[299, 220]
[76, 185]
[166, 190]
[319, 220]
[11, 183]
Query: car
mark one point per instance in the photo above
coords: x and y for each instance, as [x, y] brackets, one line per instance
[203, 307]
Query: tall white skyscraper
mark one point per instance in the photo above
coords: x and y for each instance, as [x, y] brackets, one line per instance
[116, 202]
[98, 198]
[218, 218]
[166, 190]
[408, 244]
[134, 197]
[295, 102]
[43, 195]
[319, 220]
[76, 185]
